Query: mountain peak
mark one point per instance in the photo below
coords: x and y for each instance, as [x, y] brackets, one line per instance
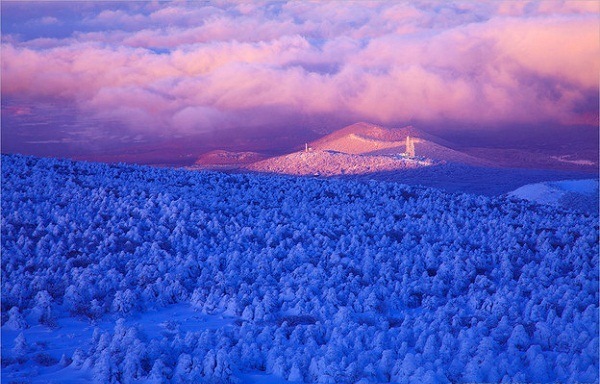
[361, 138]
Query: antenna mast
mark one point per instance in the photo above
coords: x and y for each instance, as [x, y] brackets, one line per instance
[410, 147]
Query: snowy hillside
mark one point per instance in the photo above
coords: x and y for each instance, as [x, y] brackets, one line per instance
[581, 195]
[133, 274]
[226, 159]
[330, 163]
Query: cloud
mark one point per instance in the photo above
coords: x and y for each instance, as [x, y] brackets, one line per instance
[184, 68]
[49, 20]
[198, 119]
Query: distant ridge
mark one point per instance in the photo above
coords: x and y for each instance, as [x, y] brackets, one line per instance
[221, 159]
[364, 138]
[363, 148]
[353, 150]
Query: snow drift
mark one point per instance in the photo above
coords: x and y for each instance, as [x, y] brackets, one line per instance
[579, 195]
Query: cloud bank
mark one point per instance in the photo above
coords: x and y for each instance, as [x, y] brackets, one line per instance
[185, 68]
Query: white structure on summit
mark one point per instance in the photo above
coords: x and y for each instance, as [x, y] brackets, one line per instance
[410, 147]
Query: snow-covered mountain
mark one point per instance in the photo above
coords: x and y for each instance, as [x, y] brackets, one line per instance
[581, 195]
[366, 148]
[356, 149]
[371, 139]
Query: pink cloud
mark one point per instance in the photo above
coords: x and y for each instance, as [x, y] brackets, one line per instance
[568, 7]
[49, 20]
[243, 64]
[117, 18]
[16, 110]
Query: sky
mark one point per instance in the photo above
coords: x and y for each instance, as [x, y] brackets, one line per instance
[115, 76]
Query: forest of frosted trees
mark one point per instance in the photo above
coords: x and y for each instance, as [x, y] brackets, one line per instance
[325, 280]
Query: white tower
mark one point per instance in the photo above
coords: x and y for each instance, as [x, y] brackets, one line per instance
[410, 147]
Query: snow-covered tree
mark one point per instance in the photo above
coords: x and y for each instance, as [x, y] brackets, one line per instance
[321, 280]
[15, 320]
[20, 348]
[159, 373]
